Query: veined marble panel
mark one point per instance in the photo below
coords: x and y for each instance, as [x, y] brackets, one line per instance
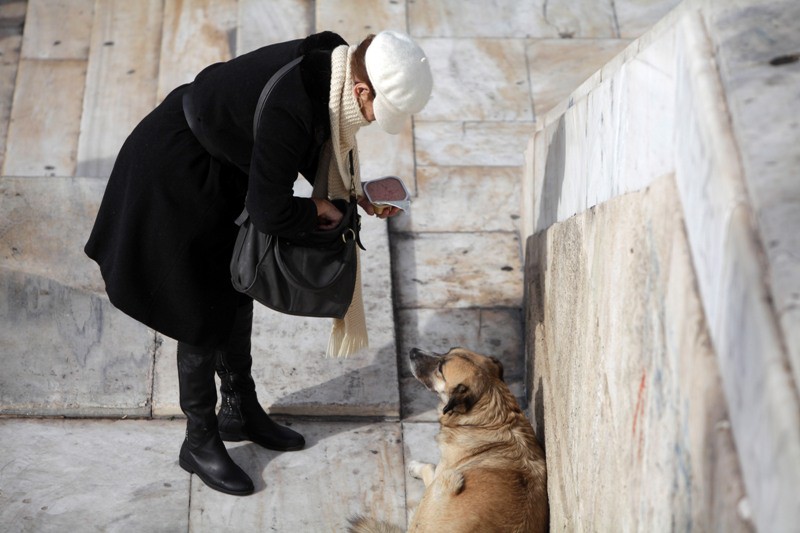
[614, 138]
[471, 144]
[92, 475]
[625, 376]
[196, 34]
[559, 66]
[761, 81]
[356, 20]
[451, 270]
[262, 23]
[731, 273]
[463, 199]
[477, 79]
[347, 468]
[58, 29]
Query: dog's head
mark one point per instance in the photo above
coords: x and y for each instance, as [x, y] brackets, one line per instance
[460, 377]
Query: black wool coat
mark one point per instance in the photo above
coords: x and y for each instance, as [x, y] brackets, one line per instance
[165, 231]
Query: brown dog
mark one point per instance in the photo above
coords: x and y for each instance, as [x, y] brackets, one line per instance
[491, 476]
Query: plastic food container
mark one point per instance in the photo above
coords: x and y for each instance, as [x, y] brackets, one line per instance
[387, 191]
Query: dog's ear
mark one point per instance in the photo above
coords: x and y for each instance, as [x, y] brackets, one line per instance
[497, 362]
[460, 401]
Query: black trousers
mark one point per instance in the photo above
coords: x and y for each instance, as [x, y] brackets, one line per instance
[238, 342]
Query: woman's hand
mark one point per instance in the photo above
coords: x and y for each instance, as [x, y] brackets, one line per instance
[384, 211]
[328, 216]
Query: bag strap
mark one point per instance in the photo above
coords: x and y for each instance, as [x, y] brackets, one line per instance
[265, 92]
[262, 101]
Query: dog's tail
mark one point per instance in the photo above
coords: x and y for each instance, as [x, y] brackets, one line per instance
[362, 524]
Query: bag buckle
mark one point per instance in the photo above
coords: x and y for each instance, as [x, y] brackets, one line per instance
[344, 235]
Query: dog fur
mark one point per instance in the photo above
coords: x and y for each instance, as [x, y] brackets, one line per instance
[492, 475]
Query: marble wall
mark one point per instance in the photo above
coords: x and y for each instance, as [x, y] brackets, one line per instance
[701, 97]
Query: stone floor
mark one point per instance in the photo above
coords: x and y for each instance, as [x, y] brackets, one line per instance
[77, 75]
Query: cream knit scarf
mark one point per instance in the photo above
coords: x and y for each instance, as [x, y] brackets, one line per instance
[350, 333]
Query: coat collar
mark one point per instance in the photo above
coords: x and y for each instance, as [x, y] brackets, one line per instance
[315, 70]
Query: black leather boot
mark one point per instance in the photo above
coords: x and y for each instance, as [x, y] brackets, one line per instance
[203, 452]
[241, 417]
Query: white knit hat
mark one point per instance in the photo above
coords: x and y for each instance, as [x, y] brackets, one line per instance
[401, 77]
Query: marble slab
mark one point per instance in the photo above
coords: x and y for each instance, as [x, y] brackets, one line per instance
[450, 270]
[43, 139]
[69, 351]
[761, 82]
[44, 224]
[470, 19]
[733, 280]
[471, 144]
[347, 468]
[92, 475]
[559, 66]
[58, 29]
[261, 23]
[477, 80]
[354, 20]
[626, 373]
[580, 19]
[463, 199]
[292, 374]
[121, 81]
[196, 33]
[382, 154]
[12, 17]
[592, 148]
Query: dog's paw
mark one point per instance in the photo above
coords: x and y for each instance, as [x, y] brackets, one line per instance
[453, 482]
[417, 469]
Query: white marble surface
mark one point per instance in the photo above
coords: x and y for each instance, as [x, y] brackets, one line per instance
[477, 79]
[68, 350]
[447, 270]
[760, 89]
[731, 277]
[463, 199]
[558, 66]
[479, 143]
[345, 469]
[92, 475]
